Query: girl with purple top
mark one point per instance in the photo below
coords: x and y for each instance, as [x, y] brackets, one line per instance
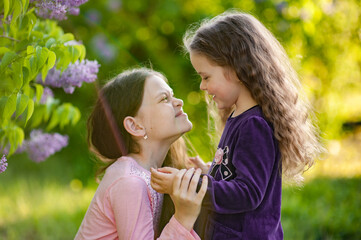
[267, 130]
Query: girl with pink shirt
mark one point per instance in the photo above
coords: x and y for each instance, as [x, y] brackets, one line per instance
[133, 128]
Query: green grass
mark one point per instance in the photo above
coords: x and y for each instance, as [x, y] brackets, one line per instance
[323, 209]
[48, 201]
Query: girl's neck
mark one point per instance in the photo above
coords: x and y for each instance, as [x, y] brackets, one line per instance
[151, 155]
[241, 108]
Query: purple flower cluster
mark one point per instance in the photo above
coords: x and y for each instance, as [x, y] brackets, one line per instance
[41, 145]
[3, 164]
[47, 93]
[103, 48]
[57, 9]
[73, 76]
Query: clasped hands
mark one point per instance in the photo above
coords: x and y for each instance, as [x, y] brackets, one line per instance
[163, 178]
[181, 185]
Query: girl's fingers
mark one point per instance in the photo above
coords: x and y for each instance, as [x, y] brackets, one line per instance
[203, 189]
[186, 179]
[155, 186]
[177, 180]
[156, 180]
[194, 182]
[166, 170]
[158, 175]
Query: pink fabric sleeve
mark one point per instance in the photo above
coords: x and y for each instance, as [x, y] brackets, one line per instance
[129, 200]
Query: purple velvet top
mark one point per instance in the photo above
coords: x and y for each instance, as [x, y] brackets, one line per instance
[243, 199]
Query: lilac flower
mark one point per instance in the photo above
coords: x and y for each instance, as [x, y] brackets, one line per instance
[73, 76]
[41, 145]
[104, 49]
[3, 164]
[46, 95]
[57, 9]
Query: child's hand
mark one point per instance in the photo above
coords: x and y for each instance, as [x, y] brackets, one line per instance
[187, 201]
[162, 179]
[199, 163]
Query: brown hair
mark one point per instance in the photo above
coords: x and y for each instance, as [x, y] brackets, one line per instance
[121, 97]
[239, 41]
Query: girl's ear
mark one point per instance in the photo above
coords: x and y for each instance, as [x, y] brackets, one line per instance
[132, 127]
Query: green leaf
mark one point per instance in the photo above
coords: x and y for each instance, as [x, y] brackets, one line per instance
[6, 8]
[82, 52]
[39, 91]
[17, 74]
[30, 49]
[37, 116]
[50, 42]
[10, 107]
[3, 101]
[75, 53]
[38, 35]
[50, 105]
[66, 38]
[4, 50]
[25, 5]
[32, 67]
[65, 114]
[41, 56]
[7, 59]
[51, 60]
[49, 64]
[75, 116]
[17, 10]
[15, 135]
[26, 75]
[21, 104]
[30, 111]
[53, 121]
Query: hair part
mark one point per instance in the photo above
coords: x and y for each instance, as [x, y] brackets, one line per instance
[263, 66]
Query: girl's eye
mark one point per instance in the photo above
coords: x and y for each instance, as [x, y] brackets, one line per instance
[205, 78]
[165, 99]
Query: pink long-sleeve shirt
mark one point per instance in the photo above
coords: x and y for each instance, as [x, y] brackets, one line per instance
[126, 207]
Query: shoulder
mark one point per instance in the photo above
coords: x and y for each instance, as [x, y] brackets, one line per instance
[253, 123]
[129, 188]
[129, 182]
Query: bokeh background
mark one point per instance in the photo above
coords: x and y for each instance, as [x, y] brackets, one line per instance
[48, 200]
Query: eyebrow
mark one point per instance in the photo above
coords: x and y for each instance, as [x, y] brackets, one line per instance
[202, 73]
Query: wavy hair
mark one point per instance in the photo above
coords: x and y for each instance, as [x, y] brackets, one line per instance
[239, 41]
[122, 96]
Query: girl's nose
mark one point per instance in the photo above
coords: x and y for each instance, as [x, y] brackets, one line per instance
[203, 85]
[178, 102]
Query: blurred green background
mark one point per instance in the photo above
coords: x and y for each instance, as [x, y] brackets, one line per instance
[323, 39]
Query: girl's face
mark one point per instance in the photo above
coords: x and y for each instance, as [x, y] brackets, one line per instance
[222, 83]
[161, 113]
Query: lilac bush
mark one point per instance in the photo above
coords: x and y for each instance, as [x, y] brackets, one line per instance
[41, 145]
[57, 9]
[73, 76]
[3, 164]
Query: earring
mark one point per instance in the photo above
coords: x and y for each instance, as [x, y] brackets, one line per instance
[145, 136]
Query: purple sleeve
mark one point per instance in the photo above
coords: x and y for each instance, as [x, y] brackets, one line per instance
[253, 159]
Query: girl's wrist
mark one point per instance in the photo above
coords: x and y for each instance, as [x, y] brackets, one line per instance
[186, 221]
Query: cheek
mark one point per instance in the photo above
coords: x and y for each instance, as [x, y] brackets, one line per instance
[159, 119]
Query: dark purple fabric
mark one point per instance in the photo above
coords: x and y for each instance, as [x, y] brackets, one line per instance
[243, 199]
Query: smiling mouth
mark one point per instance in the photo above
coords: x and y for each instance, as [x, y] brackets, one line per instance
[180, 113]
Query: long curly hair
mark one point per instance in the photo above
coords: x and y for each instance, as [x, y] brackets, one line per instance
[241, 42]
[107, 138]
